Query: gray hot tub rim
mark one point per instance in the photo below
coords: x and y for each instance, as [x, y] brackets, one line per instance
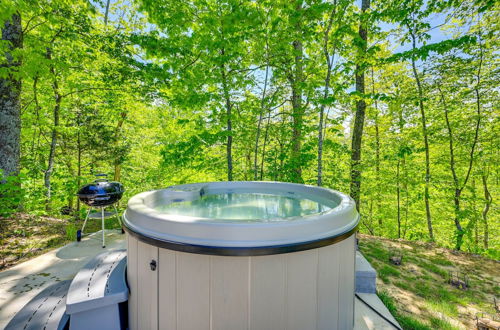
[238, 251]
[242, 250]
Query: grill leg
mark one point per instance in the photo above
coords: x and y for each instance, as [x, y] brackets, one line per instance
[117, 216]
[119, 219]
[86, 218]
[102, 217]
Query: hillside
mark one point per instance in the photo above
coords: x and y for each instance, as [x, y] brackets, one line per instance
[418, 293]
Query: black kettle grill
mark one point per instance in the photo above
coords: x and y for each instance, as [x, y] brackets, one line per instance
[100, 194]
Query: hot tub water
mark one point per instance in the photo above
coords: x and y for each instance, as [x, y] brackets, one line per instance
[248, 206]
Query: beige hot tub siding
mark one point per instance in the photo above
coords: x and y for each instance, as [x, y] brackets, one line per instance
[312, 289]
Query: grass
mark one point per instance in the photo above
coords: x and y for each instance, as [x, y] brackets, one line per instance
[445, 307]
[418, 293]
[406, 322]
[386, 271]
[437, 323]
[25, 236]
[440, 261]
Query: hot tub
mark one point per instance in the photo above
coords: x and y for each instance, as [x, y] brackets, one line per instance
[241, 255]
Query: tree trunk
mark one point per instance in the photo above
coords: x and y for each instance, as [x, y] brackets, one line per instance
[259, 125]
[476, 222]
[398, 190]
[359, 120]
[297, 107]
[53, 143]
[459, 187]
[458, 191]
[229, 106]
[426, 141]
[118, 160]
[266, 136]
[405, 188]
[326, 90]
[370, 216]
[488, 200]
[377, 155]
[106, 13]
[79, 166]
[10, 99]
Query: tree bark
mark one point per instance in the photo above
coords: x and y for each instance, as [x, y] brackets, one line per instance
[296, 82]
[79, 165]
[476, 222]
[456, 196]
[118, 161]
[488, 200]
[460, 187]
[405, 188]
[377, 155]
[426, 140]
[370, 216]
[259, 125]
[53, 143]
[10, 99]
[326, 90]
[359, 120]
[398, 191]
[106, 13]
[229, 129]
[266, 137]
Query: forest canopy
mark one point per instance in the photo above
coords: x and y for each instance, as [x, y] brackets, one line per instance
[395, 102]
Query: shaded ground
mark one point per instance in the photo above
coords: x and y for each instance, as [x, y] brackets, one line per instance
[20, 283]
[418, 293]
[24, 236]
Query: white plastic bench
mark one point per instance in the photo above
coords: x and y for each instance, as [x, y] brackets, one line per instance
[45, 311]
[98, 292]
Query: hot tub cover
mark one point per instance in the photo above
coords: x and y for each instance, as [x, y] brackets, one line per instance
[213, 236]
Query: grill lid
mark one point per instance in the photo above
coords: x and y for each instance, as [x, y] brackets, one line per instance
[101, 192]
[101, 187]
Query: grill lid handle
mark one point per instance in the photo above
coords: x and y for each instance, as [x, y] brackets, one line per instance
[101, 176]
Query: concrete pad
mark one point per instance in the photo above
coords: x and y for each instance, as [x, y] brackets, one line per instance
[19, 284]
[367, 319]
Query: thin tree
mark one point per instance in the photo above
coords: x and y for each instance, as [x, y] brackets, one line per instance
[53, 141]
[423, 122]
[261, 116]
[377, 151]
[329, 56]
[359, 120]
[459, 187]
[488, 200]
[296, 81]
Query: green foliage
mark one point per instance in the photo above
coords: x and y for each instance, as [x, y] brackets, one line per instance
[154, 97]
[71, 230]
[11, 194]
